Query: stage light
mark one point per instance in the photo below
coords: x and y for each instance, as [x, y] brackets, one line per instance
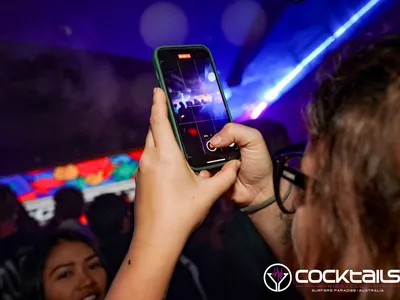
[274, 93]
[211, 77]
[258, 110]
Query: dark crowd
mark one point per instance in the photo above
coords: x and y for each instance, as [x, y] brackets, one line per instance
[67, 259]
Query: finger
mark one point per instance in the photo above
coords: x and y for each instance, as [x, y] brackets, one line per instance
[241, 135]
[149, 140]
[223, 180]
[159, 122]
[205, 174]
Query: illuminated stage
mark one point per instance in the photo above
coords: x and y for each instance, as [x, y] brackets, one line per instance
[112, 174]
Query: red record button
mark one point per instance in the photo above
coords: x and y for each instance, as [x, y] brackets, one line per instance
[210, 147]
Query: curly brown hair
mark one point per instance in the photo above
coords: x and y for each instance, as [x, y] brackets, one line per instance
[354, 202]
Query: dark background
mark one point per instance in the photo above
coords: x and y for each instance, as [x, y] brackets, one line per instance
[59, 105]
[76, 77]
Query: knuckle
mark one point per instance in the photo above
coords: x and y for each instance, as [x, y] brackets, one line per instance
[154, 120]
[252, 133]
[158, 119]
[256, 134]
[229, 129]
[144, 163]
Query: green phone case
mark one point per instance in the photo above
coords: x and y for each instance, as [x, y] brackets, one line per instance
[161, 82]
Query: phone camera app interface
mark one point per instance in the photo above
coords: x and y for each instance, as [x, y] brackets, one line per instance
[199, 108]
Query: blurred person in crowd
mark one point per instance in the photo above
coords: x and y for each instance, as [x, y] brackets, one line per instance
[343, 199]
[69, 207]
[111, 221]
[124, 195]
[25, 222]
[216, 223]
[204, 247]
[14, 243]
[187, 281]
[64, 265]
[15, 218]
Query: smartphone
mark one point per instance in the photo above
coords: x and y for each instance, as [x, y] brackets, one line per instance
[196, 103]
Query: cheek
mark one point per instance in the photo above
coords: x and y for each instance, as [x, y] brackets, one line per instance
[100, 277]
[59, 290]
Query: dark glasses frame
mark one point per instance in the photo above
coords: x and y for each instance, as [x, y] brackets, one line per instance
[281, 170]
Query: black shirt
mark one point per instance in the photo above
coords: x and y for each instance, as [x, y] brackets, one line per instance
[114, 251]
[12, 251]
[246, 257]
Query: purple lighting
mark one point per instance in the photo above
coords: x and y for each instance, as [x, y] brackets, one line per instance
[274, 93]
[258, 110]
[278, 274]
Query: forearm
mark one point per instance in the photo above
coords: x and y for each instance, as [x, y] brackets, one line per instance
[272, 229]
[146, 271]
[273, 225]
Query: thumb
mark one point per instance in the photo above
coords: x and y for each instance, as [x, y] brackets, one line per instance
[223, 180]
[245, 137]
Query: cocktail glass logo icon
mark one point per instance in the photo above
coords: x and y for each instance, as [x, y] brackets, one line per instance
[277, 277]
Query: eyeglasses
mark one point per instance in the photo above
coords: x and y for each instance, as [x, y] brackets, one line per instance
[287, 177]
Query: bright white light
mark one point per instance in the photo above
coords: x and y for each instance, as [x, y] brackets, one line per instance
[355, 18]
[258, 110]
[276, 91]
[211, 77]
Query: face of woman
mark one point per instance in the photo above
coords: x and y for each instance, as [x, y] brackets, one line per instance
[73, 271]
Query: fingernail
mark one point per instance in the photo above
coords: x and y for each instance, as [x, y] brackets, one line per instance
[237, 164]
[216, 140]
[155, 91]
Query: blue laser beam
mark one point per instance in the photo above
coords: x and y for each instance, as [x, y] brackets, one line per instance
[274, 93]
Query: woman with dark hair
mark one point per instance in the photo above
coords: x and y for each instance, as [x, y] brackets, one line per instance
[344, 196]
[64, 266]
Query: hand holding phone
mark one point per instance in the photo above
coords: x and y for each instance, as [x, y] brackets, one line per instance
[196, 103]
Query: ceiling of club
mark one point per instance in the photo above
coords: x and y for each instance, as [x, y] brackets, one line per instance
[261, 48]
[255, 43]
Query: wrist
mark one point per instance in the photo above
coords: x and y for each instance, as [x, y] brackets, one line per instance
[264, 194]
[147, 268]
[266, 198]
[263, 199]
[165, 242]
[147, 254]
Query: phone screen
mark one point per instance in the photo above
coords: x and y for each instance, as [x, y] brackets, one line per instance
[199, 107]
